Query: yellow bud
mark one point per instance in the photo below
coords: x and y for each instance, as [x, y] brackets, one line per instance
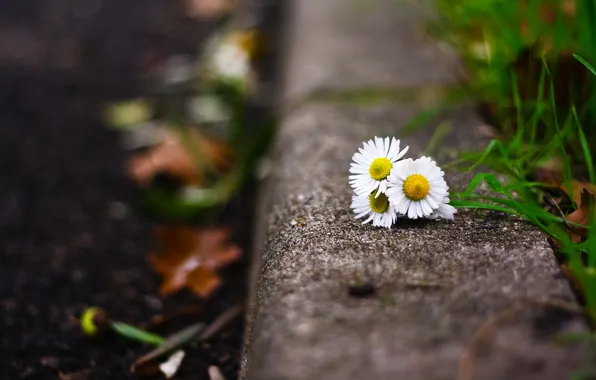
[94, 320]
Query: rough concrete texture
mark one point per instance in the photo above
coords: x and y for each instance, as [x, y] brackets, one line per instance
[437, 282]
[343, 44]
[472, 299]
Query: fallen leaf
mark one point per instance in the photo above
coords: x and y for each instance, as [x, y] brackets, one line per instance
[577, 188]
[191, 257]
[209, 8]
[172, 157]
[581, 216]
[584, 198]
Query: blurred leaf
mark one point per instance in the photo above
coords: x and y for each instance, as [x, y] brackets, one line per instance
[178, 155]
[437, 139]
[209, 8]
[134, 333]
[419, 121]
[191, 257]
[583, 196]
[129, 113]
[577, 188]
[585, 63]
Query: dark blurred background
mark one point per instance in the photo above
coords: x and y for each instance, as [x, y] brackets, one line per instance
[68, 238]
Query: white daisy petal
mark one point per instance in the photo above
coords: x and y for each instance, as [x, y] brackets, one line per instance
[394, 150]
[378, 210]
[362, 213]
[426, 207]
[416, 188]
[386, 147]
[372, 164]
[432, 202]
[444, 211]
[412, 211]
[403, 207]
[402, 153]
[419, 211]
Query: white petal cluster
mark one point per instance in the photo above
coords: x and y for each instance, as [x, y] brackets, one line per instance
[387, 187]
[362, 207]
[231, 61]
[383, 151]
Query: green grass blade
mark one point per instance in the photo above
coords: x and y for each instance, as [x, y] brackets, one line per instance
[135, 333]
[584, 144]
[437, 138]
[585, 63]
[419, 121]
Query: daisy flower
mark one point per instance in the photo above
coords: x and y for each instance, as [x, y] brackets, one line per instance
[444, 211]
[416, 188]
[231, 61]
[372, 164]
[378, 209]
[232, 56]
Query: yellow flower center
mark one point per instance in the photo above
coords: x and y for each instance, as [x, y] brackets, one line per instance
[379, 204]
[248, 42]
[416, 187]
[380, 168]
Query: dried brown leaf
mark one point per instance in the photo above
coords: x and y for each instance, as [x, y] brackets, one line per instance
[172, 157]
[584, 198]
[209, 8]
[577, 188]
[191, 257]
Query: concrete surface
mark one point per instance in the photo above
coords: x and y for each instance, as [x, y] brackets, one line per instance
[478, 298]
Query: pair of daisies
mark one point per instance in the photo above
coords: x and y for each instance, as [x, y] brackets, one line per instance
[387, 187]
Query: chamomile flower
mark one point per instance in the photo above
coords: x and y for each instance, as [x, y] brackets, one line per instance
[444, 211]
[372, 164]
[232, 55]
[230, 61]
[416, 188]
[378, 209]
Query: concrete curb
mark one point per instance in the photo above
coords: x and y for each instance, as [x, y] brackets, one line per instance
[437, 283]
